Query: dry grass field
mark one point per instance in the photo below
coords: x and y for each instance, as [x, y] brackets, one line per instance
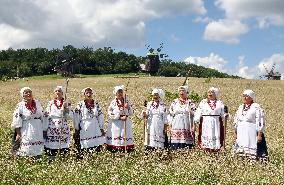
[184, 167]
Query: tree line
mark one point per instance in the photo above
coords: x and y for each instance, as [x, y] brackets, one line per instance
[41, 61]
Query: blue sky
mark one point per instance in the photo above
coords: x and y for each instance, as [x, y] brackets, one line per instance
[232, 36]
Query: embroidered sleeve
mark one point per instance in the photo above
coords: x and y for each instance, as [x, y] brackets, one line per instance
[236, 118]
[39, 111]
[17, 117]
[130, 109]
[260, 121]
[192, 106]
[69, 113]
[198, 112]
[148, 108]
[100, 116]
[112, 113]
[46, 116]
[171, 110]
[165, 117]
[170, 114]
[222, 114]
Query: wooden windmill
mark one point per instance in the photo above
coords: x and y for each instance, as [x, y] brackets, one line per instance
[153, 59]
[271, 75]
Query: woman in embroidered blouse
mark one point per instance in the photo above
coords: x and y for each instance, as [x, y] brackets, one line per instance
[89, 123]
[181, 125]
[28, 125]
[156, 121]
[119, 111]
[210, 115]
[57, 131]
[249, 128]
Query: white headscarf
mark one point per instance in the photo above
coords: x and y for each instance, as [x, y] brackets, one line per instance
[116, 88]
[23, 90]
[160, 92]
[215, 91]
[183, 87]
[250, 93]
[84, 90]
[59, 87]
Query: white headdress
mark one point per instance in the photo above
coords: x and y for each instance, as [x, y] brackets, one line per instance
[183, 87]
[23, 90]
[84, 90]
[215, 90]
[116, 88]
[59, 87]
[160, 92]
[250, 93]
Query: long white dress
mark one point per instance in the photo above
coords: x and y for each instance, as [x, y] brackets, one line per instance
[210, 115]
[115, 132]
[247, 124]
[89, 122]
[31, 127]
[157, 119]
[181, 122]
[56, 125]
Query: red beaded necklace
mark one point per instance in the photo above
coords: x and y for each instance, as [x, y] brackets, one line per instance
[89, 105]
[120, 103]
[182, 101]
[60, 105]
[246, 107]
[155, 105]
[212, 106]
[31, 106]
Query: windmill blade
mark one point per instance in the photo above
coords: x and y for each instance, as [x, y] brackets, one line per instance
[273, 67]
[266, 69]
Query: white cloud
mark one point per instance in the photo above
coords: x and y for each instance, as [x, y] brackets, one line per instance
[266, 12]
[100, 23]
[12, 36]
[203, 19]
[226, 31]
[237, 13]
[244, 71]
[215, 61]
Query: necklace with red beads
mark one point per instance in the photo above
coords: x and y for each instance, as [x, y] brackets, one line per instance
[89, 105]
[155, 104]
[246, 107]
[120, 103]
[182, 102]
[31, 106]
[212, 105]
[60, 105]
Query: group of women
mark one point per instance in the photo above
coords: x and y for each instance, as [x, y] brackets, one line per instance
[38, 130]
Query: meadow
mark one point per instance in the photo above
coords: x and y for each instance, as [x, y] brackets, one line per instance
[183, 167]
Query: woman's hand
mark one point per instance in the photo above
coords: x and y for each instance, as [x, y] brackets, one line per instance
[123, 118]
[144, 115]
[103, 132]
[126, 105]
[18, 134]
[259, 137]
[18, 137]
